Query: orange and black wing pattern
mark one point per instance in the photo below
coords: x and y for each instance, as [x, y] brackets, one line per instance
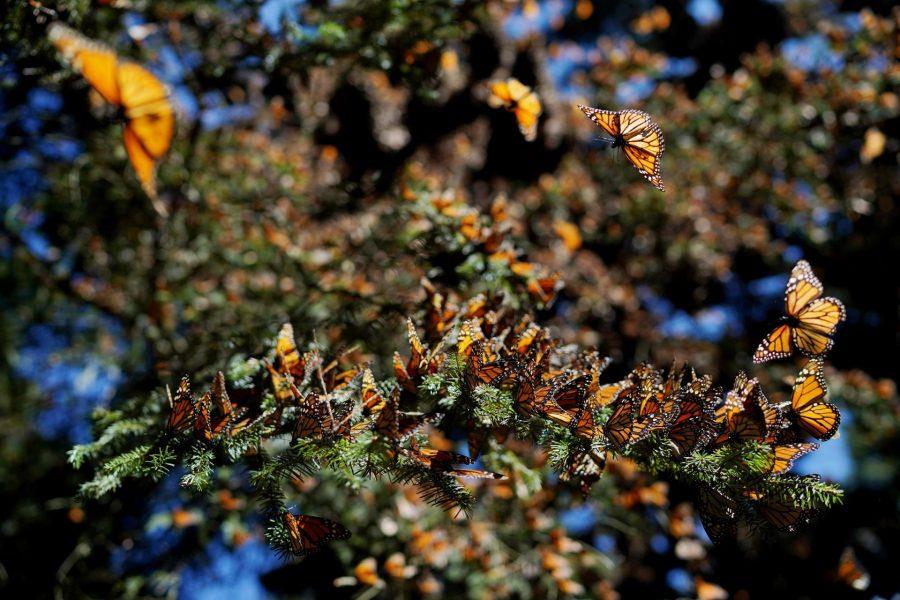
[519, 99]
[181, 408]
[142, 97]
[640, 138]
[307, 534]
[811, 412]
[810, 321]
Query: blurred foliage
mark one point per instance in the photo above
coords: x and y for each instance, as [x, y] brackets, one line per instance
[328, 157]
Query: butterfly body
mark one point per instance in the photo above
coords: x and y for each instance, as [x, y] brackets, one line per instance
[810, 320]
[639, 137]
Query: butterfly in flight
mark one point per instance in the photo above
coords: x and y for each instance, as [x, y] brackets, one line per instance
[520, 100]
[639, 137]
[851, 573]
[810, 322]
[307, 534]
[140, 96]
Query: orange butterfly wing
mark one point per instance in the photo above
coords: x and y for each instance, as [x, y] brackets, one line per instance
[96, 62]
[150, 117]
[307, 533]
[607, 120]
[818, 418]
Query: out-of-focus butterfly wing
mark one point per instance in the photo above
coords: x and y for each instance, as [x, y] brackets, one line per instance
[584, 468]
[96, 62]
[475, 474]
[307, 534]
[147, 107]
[717, 513]
[851, 573]
[517, 97]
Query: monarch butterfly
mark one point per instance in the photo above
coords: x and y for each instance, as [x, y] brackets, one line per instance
[696, 422]
[372, 400]
[810, 322]
[851, 573]
[584, 468]
[443, 461]
[142, 97]
[205, 427]
[396, 426]
[654, 400]
[531, 394]
[519, 99]
[440, 311]
[623, 428]
[747, 414]
[780, 512]
[318, 419]
[181, 407]
[307, 534]
[818, 418]
[421, 361]
[637, 134]
[484, 366]
[784, 455]
[717, 513]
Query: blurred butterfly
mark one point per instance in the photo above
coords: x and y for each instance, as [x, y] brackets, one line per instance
[851, 573]
[584, 468]
[440, 311]
[817, 417]
[443, 460]
[717, 513]
[655, 494]
[307, 534]
[519, 99]
[709, 591]
[810, 322]
[780, 512]
[288, 364]
[140, 95]
[639, 137]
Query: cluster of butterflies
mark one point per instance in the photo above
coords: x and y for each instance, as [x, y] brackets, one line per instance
[634, 131]
[683, 408]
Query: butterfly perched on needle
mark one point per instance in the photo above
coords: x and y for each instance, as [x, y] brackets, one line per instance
[518, 98]
[307, 534]
[140, 96]
[639, 137]
[810, 322]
